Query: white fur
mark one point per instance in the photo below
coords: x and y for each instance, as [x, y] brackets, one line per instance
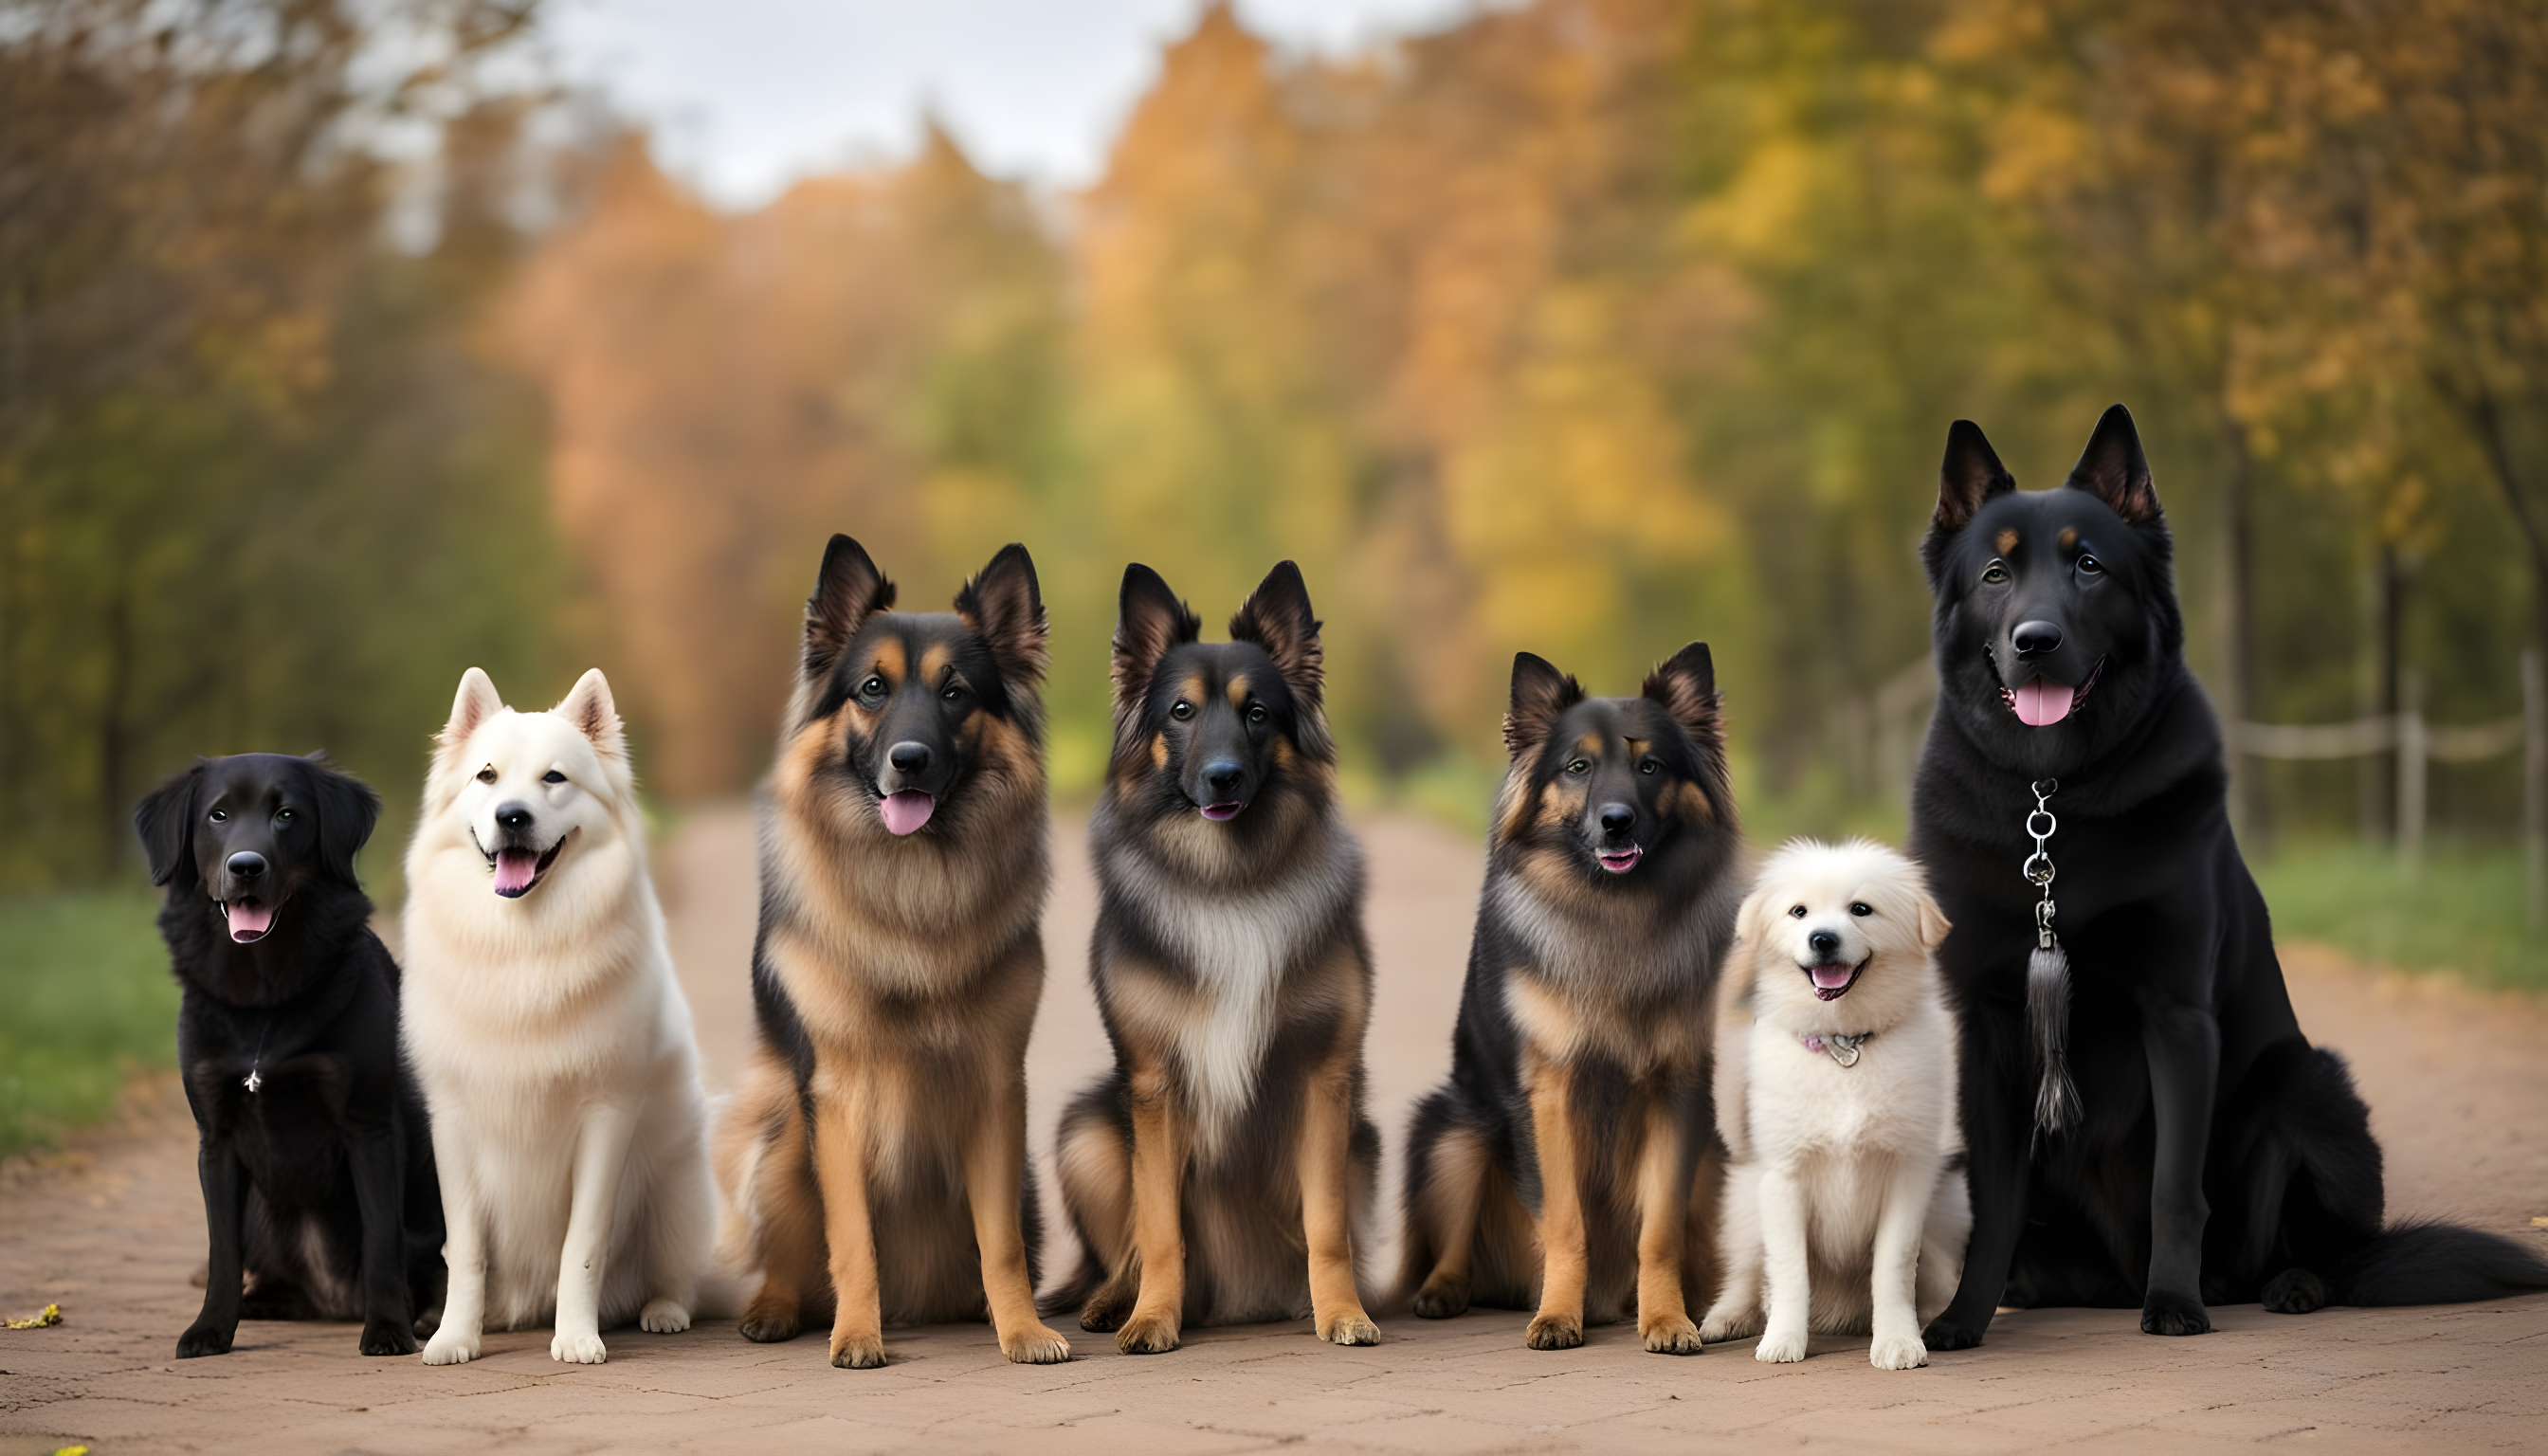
[1843, 1192]
[552, 1040]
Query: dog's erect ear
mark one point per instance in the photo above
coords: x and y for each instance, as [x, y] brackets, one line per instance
[1005, 607]
[589, 707]
[1686, 687]
[1968, 478]
[166, 820]
[1278, 617]
[471, 707]
[1540, 694]
[1149, 622]
[2113, 469]
[347, 810]
[846, 591]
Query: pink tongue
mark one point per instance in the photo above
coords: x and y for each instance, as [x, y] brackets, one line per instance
[1831, 977]
[2043, 702]
[907, 810]
[514, 871]
[249, 922]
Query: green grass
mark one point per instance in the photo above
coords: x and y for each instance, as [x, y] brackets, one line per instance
[2464, 912]
[85, 1001]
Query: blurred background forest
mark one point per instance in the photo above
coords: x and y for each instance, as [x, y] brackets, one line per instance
[343, 346]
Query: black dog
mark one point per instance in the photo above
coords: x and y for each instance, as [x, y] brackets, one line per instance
[2187, 1145]
[316, 1159]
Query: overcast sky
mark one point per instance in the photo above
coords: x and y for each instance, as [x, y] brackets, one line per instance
[744, 96]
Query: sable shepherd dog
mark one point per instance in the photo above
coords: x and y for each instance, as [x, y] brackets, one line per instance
[1570, 1163]
[315, 1159]
[874, 1155]
[2145, 1123]
[1217, 1174]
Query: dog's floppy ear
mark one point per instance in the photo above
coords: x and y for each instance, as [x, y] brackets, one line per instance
[165, 821]
[1149, 622]
[1968, 478]
[348, 808]
[1540, 694]
[1686, 687]
[846, 591]
[1004, 606]
[1277, 617]
[589, 707]
[1934, 923]
[2113, 469]
[471, 707]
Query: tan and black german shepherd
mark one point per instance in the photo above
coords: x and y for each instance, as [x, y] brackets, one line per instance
[874, 1155]
[1570, 1163]
[1217, 1174]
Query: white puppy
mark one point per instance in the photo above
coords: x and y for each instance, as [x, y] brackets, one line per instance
[550, 1036]
[1838, 1105]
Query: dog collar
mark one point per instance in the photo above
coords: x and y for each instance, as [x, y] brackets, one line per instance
[1838, 1045]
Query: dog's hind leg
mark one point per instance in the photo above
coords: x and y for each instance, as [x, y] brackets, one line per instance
[995, 1164]
[1446, 1180]
[785, 1220]
[1559, 1325]
[1665, 1167]
[600, 1157]
[1094, 1155]
[1325, 1154]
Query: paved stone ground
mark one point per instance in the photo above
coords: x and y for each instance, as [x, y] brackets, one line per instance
[2457, 1080]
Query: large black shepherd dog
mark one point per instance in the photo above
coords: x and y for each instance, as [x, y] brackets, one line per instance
[2187, 1147]
[316, 1156]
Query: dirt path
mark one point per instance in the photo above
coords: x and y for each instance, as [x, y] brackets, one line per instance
[2456, 1080]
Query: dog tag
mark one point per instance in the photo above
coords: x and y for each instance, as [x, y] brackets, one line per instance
[252, 1082]
[1843, 1049]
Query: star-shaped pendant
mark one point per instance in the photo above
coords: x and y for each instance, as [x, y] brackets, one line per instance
[252, 1082]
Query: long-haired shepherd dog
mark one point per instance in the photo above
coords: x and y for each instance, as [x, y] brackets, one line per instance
[874, 1154]
[1217, 1174]
[2147, 1126]
[1571, 1161]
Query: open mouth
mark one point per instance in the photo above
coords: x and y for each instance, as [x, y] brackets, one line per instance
[1222, 812]
[250, 919]
[518, 870]
[2045, 702]
[1833, 979]
[906, 812]
[1620, 861]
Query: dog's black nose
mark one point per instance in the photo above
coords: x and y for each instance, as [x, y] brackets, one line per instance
[1618, 818]
[1826, 944]
[245, 865]
[908, 758]
[515, 815]
[2032, 638]
[1221, 775]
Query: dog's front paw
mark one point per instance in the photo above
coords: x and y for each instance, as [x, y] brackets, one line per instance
[578, 1349]
[1442, 1297]
[2294, 1292]
[1944, 1334]
[450, 1347]
[662, 1316]
[1106, 1310]
[1350, 1327]
[1034, 1345]
[1148, 1334]
[1899, 1352]
[204, 1337]
[2173, 1314]
[387, 1337]
[1723, 1323]
[1554, 1333]
[863, 1350]
[1785, 1347]
[1673, 1336]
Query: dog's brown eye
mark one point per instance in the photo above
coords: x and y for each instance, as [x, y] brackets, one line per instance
[1181, 710]
[221, 816]
[553, 776]
[1256, 712]
[1797, 911]
[1579, 765]
[487, 774]
[1995, 572]
[1862, 908]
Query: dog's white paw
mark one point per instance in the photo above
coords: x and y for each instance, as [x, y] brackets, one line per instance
[450, 1347]
[578, 1350]
[662, 1316]
[1899, 1352]
[1722, 1324]
[1780, 1349]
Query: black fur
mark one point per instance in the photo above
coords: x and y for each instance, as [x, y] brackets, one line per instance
[2217, 1157]
[318, 1186]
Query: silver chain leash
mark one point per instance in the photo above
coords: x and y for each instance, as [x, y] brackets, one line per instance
[2039, 866]
[2047, 976]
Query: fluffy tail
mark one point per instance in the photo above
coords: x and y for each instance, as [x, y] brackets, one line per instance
[2421, 1263]
[1073, 1293]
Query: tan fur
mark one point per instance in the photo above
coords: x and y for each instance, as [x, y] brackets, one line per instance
[2006, 540]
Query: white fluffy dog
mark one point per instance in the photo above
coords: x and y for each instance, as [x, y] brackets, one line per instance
[1838, 1104]
[551, 1038]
